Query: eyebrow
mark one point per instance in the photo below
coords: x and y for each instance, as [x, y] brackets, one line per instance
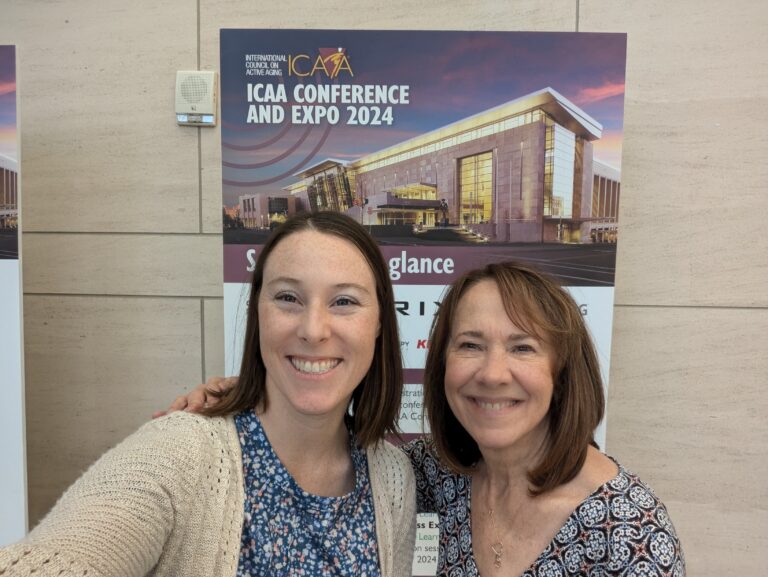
[297, 282]
[479, 335]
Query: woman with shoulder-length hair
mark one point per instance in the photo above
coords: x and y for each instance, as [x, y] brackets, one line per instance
[289, 473]
[513, 394]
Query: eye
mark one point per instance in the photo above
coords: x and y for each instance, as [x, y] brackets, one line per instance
[468, 346]
[286, 298]
[524, 348]
[344, 301]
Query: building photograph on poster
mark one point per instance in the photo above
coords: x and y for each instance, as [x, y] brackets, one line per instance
[453, 149]
[9, 197]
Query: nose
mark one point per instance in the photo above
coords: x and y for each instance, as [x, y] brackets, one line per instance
[494, 370]
[315, 325]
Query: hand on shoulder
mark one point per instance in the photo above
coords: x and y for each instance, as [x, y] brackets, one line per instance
[202, 396]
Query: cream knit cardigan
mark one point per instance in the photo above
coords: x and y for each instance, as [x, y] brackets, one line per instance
[169, 501]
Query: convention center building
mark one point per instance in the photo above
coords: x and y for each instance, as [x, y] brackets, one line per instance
[519, 172]
[9, 193]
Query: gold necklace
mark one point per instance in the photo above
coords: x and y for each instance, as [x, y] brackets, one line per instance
[498, 546]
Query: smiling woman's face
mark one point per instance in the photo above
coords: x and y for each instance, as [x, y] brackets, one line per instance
[498, 378]
[318, 323]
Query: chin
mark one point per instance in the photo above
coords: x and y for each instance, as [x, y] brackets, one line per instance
[504, 439]
[317, 407]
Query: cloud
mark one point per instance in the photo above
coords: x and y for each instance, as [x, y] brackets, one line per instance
[7, 87]
[608, 148]
[598, 93]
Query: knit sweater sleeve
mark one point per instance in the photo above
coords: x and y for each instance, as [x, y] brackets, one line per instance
[115, 520]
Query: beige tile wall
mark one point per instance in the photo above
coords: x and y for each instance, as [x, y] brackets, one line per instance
[122, 259]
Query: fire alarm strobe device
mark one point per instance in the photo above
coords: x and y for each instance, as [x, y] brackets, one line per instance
[196, 98]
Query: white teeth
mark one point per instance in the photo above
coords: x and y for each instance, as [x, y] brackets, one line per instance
[314, 367]
[496, 406]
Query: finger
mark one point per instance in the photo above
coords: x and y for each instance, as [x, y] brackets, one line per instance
[213, 385]
[158, 414]
[197, 400]
[211, 400]
[216, 387]
[179, 404]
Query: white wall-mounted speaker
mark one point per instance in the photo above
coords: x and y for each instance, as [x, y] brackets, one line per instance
[196, 97]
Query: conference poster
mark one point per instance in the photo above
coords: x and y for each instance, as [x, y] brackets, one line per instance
[454, 149]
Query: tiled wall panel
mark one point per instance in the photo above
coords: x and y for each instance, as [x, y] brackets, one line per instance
[214, 337]
[101, 148]
[96, 368]
[693, 171]
[123, 264]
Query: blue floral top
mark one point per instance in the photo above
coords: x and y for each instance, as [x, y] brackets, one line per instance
[289, 532]
[620, 529]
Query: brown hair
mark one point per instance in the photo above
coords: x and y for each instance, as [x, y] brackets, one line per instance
[375, 403]
[542, 308]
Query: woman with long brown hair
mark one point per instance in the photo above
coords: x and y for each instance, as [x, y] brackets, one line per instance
[289, 473]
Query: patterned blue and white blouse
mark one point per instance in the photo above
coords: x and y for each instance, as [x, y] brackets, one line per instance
[620, 529]
[289, 532]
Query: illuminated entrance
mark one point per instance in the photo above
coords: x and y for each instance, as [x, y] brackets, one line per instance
[414, 203]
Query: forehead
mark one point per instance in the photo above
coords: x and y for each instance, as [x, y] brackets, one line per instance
[483, 305]
[481, 299]
[311, 255]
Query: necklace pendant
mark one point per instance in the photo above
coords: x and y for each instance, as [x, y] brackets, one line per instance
[497, 549]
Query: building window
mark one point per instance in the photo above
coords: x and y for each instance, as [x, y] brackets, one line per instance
[330, 191]
[277, 205]
[559, 168]
[476, 188]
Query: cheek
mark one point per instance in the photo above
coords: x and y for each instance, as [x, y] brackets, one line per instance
[361, 341]
[546, 386]
[371, 329]
[458, 369]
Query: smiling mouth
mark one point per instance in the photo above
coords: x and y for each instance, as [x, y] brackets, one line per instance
[314, 367]
[495, 405]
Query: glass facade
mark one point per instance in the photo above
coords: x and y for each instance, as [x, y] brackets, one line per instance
[559, 166]
[476, 188]
[9, 200]
[277, 205]
[412, 217]
[330, 190]
[605, 197]
[605, 208]
[416, 191]
[549, 164]
[563, 171]
[403, 206]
